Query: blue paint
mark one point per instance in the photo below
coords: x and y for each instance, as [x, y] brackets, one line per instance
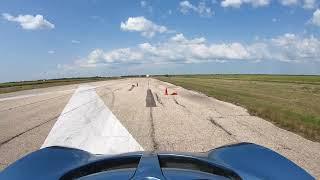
[240, 161]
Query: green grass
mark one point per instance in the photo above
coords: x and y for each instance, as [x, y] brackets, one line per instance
[290, 102]
[25, 85]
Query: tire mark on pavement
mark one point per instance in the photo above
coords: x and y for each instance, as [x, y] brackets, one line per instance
[155, 144]
[150, 102]
[112, 96]
[158, 99]
[222, 128]
[44, 100]
[175, 100]
[132, 86]
[30, 129]
[48, 99]
[47, 121]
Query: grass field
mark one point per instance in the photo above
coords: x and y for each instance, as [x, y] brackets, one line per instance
[290, 102]
[25, 85]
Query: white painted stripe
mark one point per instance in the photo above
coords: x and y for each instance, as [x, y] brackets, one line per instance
[87, 123]
[33, 95]
[40, 94]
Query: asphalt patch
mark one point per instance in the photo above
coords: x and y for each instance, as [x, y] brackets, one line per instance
[150, 102]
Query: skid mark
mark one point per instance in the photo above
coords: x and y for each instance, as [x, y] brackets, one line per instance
[50, 119]
[175, 100]
[131, 88]
[222, 128]
[158, 99]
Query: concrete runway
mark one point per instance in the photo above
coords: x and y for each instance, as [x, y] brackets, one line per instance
[114, 117]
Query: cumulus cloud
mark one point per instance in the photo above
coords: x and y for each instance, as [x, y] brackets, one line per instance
[202, 9]
[309, 4]
[290, 47]
[289, 2]
[238, 3]
[315, 20]
[29, 22]
[143, 25]
[306, 4]
[179, 49]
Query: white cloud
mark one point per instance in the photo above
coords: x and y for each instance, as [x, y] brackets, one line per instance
[202, 9]
[75, 42]
[238, 3]
[179, 49]
[290, 47]
[30, 22]
[51, 51]
[309, 4]
[306, 4]
[143, 25]
[315, 20]
[289, 2]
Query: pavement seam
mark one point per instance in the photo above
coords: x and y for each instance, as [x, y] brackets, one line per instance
[153, 134]
[175, 100]
[159, 99]
[222, 128]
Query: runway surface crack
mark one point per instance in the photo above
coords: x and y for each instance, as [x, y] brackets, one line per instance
[175, 100]
[153, 134]
[222, 128]
[158, 99]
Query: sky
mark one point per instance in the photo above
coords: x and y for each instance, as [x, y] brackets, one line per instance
[53, 39]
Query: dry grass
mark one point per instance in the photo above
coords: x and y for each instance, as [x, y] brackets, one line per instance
[290, 102]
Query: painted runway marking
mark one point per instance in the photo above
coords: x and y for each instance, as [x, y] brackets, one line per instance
[45, 93]
[33, 95]
[91, 127]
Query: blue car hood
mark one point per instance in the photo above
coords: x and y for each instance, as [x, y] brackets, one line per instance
[238, 161]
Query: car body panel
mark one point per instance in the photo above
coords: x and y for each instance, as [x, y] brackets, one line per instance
[240, 161]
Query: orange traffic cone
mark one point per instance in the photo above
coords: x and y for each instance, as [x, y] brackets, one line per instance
[166, 91]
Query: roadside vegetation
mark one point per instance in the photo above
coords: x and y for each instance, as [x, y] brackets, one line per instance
[290, 102]
[25, 85]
